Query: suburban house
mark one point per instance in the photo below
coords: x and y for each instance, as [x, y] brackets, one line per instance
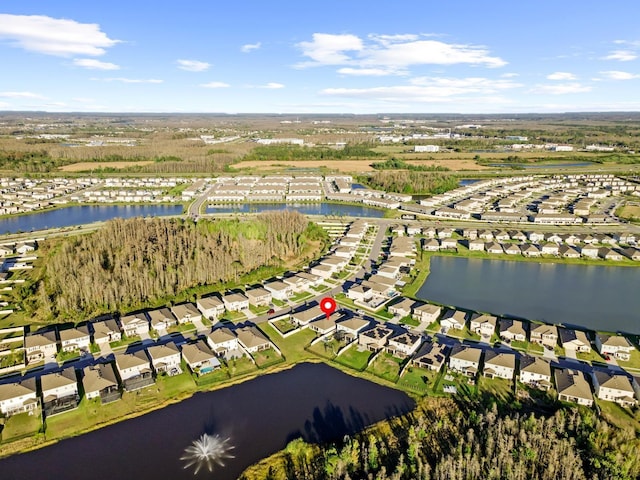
[303, 317]
[164, 358]
[75, 339]
[543, 334]
[351, 327]
[572, 386]
[567, 251]
[483, 325]
[134, 324]
[59, 391]
[234, 302]
[476, 245]
[616, 345]
[186, 312]
[574, 340]
[134, 370]
[550, 249]
[530, 250]
[381, 290]
[402, 308]
[404, 344]
[375, 338]
[323, 271]
[500, 365]
[426, 313]
[258, 297]
[100, 381]
[535, 372]
[493, 248]
[211, 307]
[589, 251]
[40, 346]
[465, 360]
[252, 339]
[311, 280]
[430, 245]
[511, 249]
[614, 387]
[453, 319]
[512, 330]
[161, 319]
[324, 325]
[222, 340]
[18, 397]
[279, 290]
[360, 293]
[431, 356]
[449, 244]
[609, 254]
[106, 331]
[632, 253]
[200, 358]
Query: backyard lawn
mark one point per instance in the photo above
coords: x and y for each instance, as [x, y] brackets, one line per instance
[386, 366]
[22, 425]
[355, 358]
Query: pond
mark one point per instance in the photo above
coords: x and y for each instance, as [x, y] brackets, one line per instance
[333, 209]
[80, 215]
[596, 297]
[259, 417]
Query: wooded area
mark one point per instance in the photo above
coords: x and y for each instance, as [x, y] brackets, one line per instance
[447, 440]
[133, 261]
[402, 181]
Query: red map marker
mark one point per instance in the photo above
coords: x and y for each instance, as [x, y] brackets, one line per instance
[328, 306]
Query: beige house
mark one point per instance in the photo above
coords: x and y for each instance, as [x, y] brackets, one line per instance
[258, 297]
[18, 397]
[222, 340]
[164, 358]
[106, 331]
[375, 338]
[306, 315]
[100, 381]
[614, 387]
[252, 339]
[186, 312]
[134, 324]
[465, 360]
[324, 325]
[75, 339]
[512, 330]
[200, 358]
[500, 365]
[211, 307]
[575, 340]
[361, 293]
[535, 372]
[351, 327]
[616, 345]
[134, 370]
[161, 319]
[404, 344]
[426, 313]
[483, 325]
[543, 334]
[40, 346]
[431, 356]
[453, 319]
[401, 308]
[572, 386]
[279, 290]
[59, 391]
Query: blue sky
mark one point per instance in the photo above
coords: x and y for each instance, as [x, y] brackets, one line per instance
[347, 56]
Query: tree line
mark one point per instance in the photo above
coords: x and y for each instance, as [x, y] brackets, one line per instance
[410, 182]
[130, 262]
[297, 152]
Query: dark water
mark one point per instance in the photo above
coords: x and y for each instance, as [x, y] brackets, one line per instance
[304, 208]
[596, 297]
[313, 401]
[467, 181]
[71, 216]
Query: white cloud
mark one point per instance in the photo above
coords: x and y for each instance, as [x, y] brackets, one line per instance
[129, 80]
[193, 65]
[215, 85]
[618, 75]
[94, 64]
[622, 55]
[20, 95]
[561, 76]
[561, 88]
[430, 89]
[391, 53]
[510, 75]
[54, 36]
[369, 72]
[249, 47]
[272, 86]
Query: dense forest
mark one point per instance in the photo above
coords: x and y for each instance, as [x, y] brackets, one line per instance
[402, 181]
[129, 262]
[397, 164]
[296, 152]
[448, 440]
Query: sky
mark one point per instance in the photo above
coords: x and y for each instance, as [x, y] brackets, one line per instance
[334, 56]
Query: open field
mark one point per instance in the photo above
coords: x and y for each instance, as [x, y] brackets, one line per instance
[87, 166]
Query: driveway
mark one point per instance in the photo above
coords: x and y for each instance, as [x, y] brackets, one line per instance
[570, 353]
[200, 327]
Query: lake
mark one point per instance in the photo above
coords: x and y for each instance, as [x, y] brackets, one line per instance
[79, 215]
[260, 417]
[596, 297]
[335, 209]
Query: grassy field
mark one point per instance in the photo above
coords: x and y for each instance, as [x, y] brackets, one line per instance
[354, 358]
[386, 366]
[20, 426]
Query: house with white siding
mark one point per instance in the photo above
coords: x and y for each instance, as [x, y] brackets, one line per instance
[164, 358]
[222, 340]
[42, 346]
[351, 327]
[572, 386]
[575, 340]
[483, 324]
[453, 319]
[465, 360]
[279, 290]
[404, 344]
[512, 330]
[426, 313]
[72, 339]
[18, 397]
[161, 319]
[211, 307]
[499, 365]
[535, 371]
[252, 339]
[186, 312]
[615, 345]
[59, 391]
[543, 334]
[614, 387]
[134, 370]
[258, 297]
[200, 358]
[134, 324]
[431, 356]
[106, 331]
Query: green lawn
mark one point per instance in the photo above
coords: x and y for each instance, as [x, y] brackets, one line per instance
[634, 361]
[66, 356]
[259, 310]
[327, 348]
[418, 379]
[621, 417]
[234, 317]
[354, 358]
[592, 356]
[291, 347]
[498, 388]
[22, 425]
[409, 320]
[265, 358]
[386, 366]
[284, 325]
[298, 297]
[15, 358]
[125, 341]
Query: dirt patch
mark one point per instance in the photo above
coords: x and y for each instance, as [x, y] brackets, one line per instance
[86, 166]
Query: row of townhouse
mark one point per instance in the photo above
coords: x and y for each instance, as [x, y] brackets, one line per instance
[534, 250]
[59, 391]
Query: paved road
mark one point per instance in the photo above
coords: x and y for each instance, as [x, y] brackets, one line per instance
[194, 208]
